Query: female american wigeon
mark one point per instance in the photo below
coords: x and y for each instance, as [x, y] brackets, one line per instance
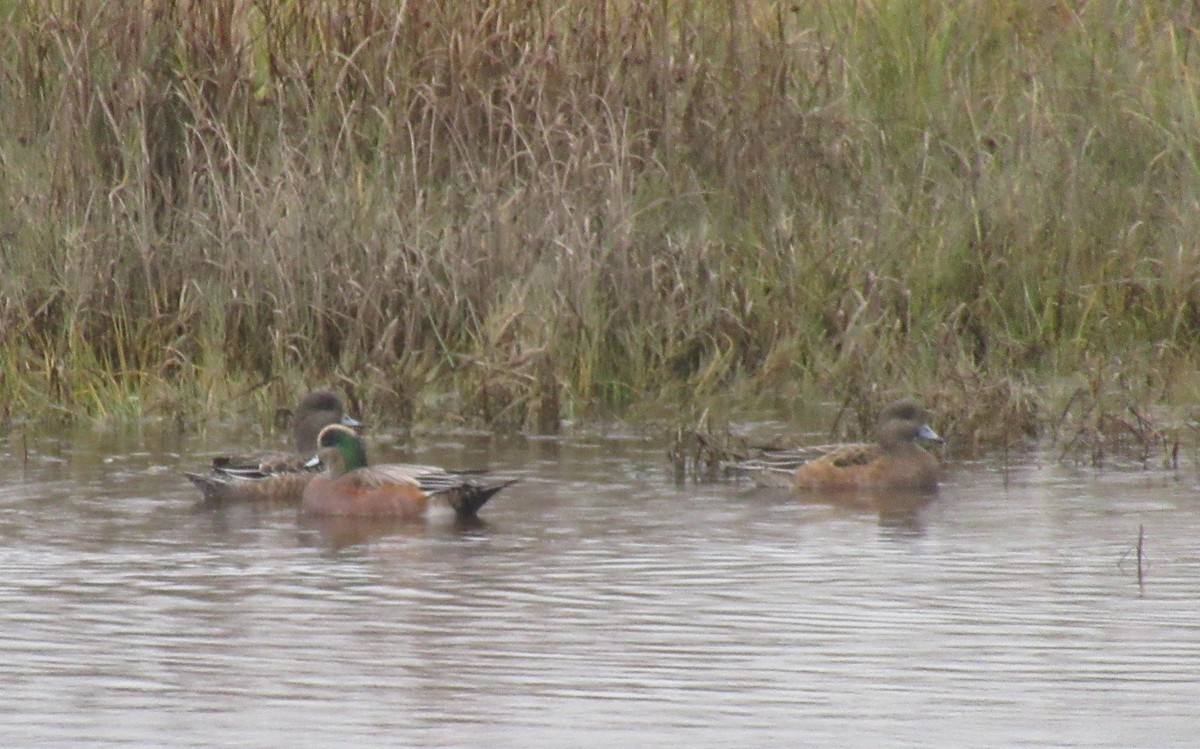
[349, 487]
[276, 478]
[893, 461]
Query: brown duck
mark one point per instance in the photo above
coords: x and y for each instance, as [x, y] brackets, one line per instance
[893, 461]
[275, 478]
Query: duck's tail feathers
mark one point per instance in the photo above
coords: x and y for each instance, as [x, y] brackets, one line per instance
[467, 497]
[213, 486]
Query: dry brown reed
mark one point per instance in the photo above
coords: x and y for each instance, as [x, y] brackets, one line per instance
[517, 212]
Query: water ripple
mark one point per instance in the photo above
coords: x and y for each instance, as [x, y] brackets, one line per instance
[600, 603]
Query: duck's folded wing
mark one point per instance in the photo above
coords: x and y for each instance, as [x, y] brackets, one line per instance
[465, 491]
[382, 475]
[434, 479]
[856, 454]
[792, 458]
[231, 488]
[776, 467]
[259, 466]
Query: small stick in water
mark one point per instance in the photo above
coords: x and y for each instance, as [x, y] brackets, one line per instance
[1141, 538]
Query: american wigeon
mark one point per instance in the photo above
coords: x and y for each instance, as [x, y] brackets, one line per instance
[351, 487]
[893, 461]
[276, 478]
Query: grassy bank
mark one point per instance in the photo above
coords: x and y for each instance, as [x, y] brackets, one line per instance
[513, 212]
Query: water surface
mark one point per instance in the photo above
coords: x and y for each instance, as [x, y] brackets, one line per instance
[598, 602]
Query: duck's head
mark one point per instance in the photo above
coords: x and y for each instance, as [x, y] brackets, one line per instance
[341, 449]
[904, 421]
[318, 409]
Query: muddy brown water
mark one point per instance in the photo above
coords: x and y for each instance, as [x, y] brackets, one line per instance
[598, 603]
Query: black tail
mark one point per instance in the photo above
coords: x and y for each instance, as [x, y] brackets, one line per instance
[212, 487]
[209, 484]
[469, 497]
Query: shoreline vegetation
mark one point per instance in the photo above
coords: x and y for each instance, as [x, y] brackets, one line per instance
[511, 213]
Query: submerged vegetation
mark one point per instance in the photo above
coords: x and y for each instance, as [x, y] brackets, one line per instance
[514, 212]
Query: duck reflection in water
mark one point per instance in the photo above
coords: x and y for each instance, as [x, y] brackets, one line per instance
[337, 532]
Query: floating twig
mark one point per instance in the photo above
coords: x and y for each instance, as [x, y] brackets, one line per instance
[1141, 538]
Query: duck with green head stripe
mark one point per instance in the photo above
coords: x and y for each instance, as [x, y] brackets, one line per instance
[351, 487]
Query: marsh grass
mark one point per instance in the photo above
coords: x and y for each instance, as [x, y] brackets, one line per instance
[512, 213]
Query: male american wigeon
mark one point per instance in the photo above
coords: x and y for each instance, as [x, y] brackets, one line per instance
[349, 487]
[275, 478]
[893, 461]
